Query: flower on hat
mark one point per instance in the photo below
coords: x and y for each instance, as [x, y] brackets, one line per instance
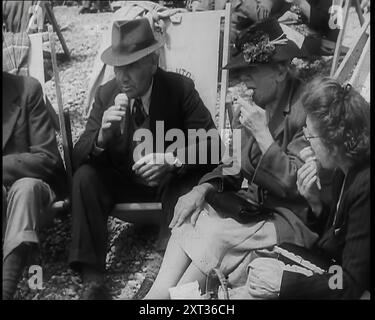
[257, 46]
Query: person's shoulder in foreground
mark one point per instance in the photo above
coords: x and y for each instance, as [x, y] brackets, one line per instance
[20, 85]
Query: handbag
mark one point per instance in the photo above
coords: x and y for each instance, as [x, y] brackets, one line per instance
[216, 281]
[236, 205]
[292, 254]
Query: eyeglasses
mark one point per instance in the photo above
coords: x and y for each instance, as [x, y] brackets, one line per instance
[307, 136]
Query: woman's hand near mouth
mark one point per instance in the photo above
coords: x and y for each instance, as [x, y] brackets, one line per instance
[254, 118]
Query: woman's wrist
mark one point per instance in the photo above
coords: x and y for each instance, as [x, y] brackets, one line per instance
[205, 188]
[264, 140]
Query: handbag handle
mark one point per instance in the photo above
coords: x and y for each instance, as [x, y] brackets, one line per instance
[214, 280]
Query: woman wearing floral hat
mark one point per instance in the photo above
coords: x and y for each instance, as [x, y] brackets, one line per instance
[271, 140]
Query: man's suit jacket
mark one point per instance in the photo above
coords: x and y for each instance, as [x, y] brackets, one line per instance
[347, 242]
[29, 140]
[275, 172]
[174, 100]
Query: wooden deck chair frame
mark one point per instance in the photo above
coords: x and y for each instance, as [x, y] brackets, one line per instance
[339, 47]
[35, 18]
[185, 38]
[64, 117]
[133, 212]
[36, 70]
[357, 60]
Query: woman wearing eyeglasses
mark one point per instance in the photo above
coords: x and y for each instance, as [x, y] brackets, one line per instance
[338, 129]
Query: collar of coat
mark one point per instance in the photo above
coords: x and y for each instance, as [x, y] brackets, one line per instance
[287, 100]
[289, 97]
[354, 171]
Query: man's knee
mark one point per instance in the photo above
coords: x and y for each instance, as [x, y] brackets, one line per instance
[25, 187]
[84, 176]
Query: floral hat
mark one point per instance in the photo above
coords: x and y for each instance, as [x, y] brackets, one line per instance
[264, 42]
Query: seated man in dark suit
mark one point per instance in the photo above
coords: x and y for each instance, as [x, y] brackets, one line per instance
[33, 173]
[109, 168]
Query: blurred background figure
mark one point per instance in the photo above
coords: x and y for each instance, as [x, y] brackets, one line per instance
[244, 12]
[316, 14]
[16, 15]
[94, 7]
[365, 5]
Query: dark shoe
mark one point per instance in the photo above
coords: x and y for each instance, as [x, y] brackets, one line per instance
[144, 289]
[94, 290]
[13, 266]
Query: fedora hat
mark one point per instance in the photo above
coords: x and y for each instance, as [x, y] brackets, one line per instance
[264, 42]
[131, 41]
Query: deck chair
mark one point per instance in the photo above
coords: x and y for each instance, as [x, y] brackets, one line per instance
[209, 49]
[345, 4]
[355, 67]
[36, 70]
[199, 41]
[36, 22]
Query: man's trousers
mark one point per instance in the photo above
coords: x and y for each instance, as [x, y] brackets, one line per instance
[95, 192]
[25, 205]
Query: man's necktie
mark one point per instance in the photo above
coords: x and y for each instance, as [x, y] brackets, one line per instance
[138, 112]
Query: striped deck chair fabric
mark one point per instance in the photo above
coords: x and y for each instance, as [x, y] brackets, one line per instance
[15, 52]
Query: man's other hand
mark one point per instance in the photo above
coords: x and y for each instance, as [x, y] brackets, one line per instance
[154, 166]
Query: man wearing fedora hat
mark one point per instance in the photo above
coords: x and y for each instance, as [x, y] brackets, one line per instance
[271, 124]
[108, 169]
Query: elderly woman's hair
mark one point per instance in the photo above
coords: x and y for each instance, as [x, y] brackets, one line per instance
[341, 116]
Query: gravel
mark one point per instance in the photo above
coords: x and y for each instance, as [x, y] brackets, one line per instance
[131, 253]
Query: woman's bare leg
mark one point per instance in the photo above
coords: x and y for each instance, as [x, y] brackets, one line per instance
[192, 274]
[175, 263]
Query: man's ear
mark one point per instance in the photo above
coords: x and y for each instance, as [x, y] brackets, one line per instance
[155, 61]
